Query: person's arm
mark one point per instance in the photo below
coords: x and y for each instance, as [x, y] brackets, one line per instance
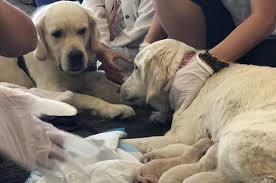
[191, 78]
[17, 32]
[247, 35]
[97, 7]
[156, 31]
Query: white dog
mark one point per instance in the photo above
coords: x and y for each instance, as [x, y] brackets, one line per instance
[236, 106]
[68, 40]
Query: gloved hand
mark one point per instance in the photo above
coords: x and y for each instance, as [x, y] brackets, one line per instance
[143, 45]
[24, 137]
[188, 81]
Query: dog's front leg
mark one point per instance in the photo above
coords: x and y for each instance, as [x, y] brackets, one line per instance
[149, 144]
[100, 107]
[95, 105]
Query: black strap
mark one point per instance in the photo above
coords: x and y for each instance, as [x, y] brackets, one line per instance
[213, 62]
[22, 65]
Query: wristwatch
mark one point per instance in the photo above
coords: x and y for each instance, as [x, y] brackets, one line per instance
[215, 63]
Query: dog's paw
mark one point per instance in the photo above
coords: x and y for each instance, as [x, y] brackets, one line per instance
[158, 117]
[151, 156]
[145, 178]
[169, 179]
[137, 143]
[117, 111]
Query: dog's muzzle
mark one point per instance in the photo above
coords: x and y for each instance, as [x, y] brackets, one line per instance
[76, 60]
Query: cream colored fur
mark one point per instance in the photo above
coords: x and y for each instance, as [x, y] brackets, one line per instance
[236, 106]
[49, 63]
[155, 168]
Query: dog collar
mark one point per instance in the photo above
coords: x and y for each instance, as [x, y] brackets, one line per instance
[186, 58]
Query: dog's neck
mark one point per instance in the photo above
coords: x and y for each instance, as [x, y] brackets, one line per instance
[185, 59]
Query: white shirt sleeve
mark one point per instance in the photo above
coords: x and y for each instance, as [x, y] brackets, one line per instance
[98, 9]
[140, 27]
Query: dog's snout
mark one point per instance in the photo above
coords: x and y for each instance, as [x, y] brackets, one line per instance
[75, 56]
[76, 59]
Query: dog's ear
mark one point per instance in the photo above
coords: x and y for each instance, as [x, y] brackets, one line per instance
[95, 43]
[155, 80]
[41, 51]
[160, 64]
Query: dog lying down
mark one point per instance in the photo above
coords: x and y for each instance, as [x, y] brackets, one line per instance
[236, 107]
[67, 42]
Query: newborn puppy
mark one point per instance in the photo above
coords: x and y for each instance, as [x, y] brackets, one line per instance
[169, 151]
[186, 172]
[153, 170]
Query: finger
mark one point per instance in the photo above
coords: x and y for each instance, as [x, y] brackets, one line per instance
[115, 73]
[115, 77]
[51, 163]
[55, 138]
[113, 65]
[119, 56]
[57, 153]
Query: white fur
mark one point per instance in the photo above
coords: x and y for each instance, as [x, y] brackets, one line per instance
[237, 107]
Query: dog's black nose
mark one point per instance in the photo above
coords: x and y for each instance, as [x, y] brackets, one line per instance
[76, 58]
[75, 55]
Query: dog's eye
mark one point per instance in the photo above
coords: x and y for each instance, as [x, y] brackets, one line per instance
[57, 33]
[82, 31]
[135, 67]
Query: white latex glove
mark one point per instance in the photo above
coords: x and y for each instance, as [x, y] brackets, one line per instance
[24, 137]
[188, 81]
[143, 45]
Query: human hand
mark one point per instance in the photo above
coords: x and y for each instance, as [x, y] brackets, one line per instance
[24, 136]
[113, 71]
[188, 82]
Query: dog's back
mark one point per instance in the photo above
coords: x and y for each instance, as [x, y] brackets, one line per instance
[228, 93]
[237, 106]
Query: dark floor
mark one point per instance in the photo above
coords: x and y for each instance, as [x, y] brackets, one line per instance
[83, 125]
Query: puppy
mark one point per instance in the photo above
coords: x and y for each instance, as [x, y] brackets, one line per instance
[202, 171]
[154, 169]
[236, 107]
[67, 46]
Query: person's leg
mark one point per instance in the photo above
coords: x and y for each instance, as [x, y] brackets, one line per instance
[199, 23]
[183, 20]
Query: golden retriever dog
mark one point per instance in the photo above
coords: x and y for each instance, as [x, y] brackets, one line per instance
[68, 40]
[236, 107]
